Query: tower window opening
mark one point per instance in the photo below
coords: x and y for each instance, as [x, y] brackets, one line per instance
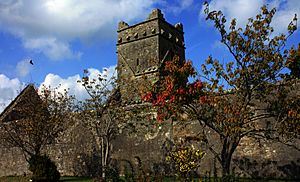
[137, 62]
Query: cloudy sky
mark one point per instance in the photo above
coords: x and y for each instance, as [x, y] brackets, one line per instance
[64, 37]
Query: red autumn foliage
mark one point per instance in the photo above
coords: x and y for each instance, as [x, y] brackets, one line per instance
[174, 89]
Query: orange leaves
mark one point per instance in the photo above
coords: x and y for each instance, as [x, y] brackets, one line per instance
[147, 97]
[293, 61]
[252, 46]
[292, 113]
[187, 69]
[291, 126]
[198, 85]
[202, 100]
[181, 91]
[169, 84]
[176, 67]
[174, 90]
[170, 66]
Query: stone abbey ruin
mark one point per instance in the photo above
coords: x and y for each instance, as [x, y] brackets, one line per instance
[142, 48]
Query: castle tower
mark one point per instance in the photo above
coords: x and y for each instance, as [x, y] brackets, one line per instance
[142, 49]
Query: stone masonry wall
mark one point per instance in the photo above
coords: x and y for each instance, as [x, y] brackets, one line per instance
[77, 155]
[142, 49]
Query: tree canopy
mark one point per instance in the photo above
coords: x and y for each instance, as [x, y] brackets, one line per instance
[237, 99]
[36, 119]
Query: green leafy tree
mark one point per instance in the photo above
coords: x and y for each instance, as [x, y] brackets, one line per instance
[236, 99]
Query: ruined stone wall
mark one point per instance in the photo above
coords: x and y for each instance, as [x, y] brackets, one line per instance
[267, 159]
[253, 158]
[12, 162]
[75, 154]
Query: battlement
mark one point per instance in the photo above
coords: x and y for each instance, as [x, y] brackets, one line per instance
[154, 25]
[156, 13]
[142, 49]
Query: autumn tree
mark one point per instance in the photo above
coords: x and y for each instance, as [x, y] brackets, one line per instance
[238, 98]
[34, 120]
[293, 63]
[106, 116]
[101, 114]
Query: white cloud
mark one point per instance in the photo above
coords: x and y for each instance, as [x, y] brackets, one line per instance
[52, 48]
[55, 81]
[240, 9]
[23, 68]
[108, 72]
[70, 83]
[286, 11]
[9, 89]
[50, 26]
[244, 9]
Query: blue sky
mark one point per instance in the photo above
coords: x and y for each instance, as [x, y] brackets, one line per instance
[63, 37]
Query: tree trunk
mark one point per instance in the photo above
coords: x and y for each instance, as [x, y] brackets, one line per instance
[103, 158]
[229, 146]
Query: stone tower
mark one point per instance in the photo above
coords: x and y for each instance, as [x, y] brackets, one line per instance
[142, 49]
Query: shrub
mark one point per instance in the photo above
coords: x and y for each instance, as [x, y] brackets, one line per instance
[43, 169]
[186, 160]
[112, 174]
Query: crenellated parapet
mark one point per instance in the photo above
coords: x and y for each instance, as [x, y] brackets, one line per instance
[142, 49]
[156, 13]
[154, 25]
